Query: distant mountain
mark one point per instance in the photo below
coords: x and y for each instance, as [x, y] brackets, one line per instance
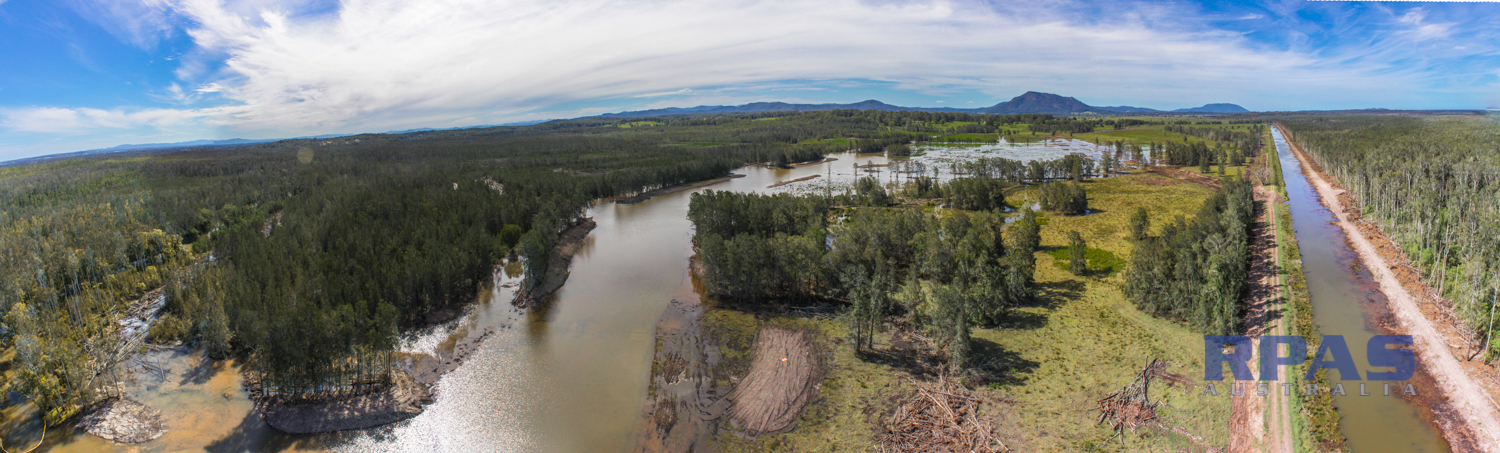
[1207, 108]
[1034, 102]
[1031, 102]
[1127, 109]
[189, 144]
[123, 148]
[755, 107]
[1214, 108]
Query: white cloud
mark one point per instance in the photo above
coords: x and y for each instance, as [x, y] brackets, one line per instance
[374, 65]
[665, 93]
[141, 23]
[384, 62]
[1421, 29]
[55, 120]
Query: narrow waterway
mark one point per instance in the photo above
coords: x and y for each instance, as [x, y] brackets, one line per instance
[1346, 301]
[569, 375]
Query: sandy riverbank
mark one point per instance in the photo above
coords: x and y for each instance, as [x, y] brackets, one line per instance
[1473, 423]
[404, 398]
[649, 194]
[569, 242]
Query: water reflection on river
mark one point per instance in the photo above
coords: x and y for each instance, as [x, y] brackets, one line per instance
[569, 376]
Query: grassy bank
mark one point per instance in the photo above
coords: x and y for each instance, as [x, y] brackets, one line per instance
[1316, 424]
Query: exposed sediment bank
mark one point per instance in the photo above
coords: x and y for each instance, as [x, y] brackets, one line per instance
[649, 194]
[679, 414]
[123, 420]
[804, 178]
[404, 398]
[1473, 422]
[569, 242]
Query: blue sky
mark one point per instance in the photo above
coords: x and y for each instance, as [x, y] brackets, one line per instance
[86, 74]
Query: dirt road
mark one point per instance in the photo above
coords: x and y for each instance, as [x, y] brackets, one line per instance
[1474, 410]
[1262, 423]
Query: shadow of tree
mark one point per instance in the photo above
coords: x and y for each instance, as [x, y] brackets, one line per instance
[1016, 319]
[1000, 366]
[1052, 294]
[201, 371]
[252, 434]
[919, 363]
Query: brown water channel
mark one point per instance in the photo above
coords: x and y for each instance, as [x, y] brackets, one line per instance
[569, 375]
[1347, 301]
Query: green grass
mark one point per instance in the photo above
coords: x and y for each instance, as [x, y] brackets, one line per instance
[1213, 170]
[1083, 339]
[1100, 261]
[1139, 135]
[639, 124]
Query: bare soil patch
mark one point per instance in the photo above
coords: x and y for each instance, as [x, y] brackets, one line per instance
[784, 376]
[805, 178]
[812, 162]
[1262, 423]
[123, 420]
[1178, 173]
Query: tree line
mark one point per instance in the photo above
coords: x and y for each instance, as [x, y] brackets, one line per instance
[946, 272]
[1195, 270]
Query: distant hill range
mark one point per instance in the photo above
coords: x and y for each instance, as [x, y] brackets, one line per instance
[1031, 102]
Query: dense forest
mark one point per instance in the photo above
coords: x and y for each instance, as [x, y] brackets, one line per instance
[945, 272]
[1196, 270]
[1433, 186]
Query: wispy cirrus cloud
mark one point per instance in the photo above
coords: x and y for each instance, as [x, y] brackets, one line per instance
[56, 120]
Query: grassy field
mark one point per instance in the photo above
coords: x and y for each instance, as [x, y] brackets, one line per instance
[1213, 170]
[639, 124]
[1079, 341]
[1083, 339]
[1139, 135]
